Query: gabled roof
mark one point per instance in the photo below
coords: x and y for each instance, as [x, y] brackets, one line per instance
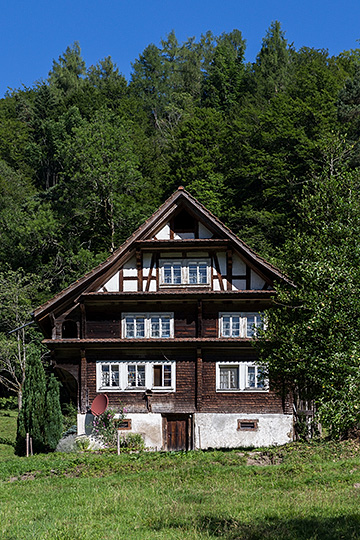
[180, 199]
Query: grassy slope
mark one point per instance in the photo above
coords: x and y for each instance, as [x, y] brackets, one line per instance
[7, 432]
[313, 492]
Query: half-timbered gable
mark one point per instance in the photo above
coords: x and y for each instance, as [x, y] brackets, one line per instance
[165, 326]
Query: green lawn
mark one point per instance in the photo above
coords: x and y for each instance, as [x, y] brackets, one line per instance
[295, 492]
[7, 432]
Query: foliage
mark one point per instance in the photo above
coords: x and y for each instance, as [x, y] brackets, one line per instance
[311, 343]
[105, 425]
[53, 425]
[132, 442]
[33, 411]
[40, 415]
[8, 402]
[85, 157]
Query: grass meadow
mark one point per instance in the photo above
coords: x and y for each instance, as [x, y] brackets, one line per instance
[296, 492]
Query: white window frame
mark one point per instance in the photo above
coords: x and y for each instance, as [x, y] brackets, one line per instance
[123, 375]
[243, 323]
[243, 377]
[147, 324]
[185, 274]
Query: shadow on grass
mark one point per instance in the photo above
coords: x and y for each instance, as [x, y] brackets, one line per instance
[316, 528]
[339, 528]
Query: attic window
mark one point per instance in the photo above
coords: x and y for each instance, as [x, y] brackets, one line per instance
[185, 272]
[69, 330]
[184, 222]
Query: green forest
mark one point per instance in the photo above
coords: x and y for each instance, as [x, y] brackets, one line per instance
[272, 148]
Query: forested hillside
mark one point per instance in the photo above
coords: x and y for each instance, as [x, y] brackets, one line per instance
[86, 156]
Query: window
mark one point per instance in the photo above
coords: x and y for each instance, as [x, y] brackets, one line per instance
[136, 375]
[240, 376]
[110, 375]
[239, 324]
[162, 375]
[248, 425]
[229, 377]
[255, 378]
[185, 272]
[147, 325]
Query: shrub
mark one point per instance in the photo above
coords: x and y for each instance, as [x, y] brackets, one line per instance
[10, 403]
[132, 442]
[105, 426]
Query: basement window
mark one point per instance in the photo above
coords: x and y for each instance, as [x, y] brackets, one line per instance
[247, 424]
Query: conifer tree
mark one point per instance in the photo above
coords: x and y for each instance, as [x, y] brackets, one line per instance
[32, 414]
[53, 416]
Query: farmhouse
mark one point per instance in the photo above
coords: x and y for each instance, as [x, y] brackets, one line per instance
[165, 327]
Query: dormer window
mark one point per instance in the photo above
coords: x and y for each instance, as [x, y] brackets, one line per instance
[185, 272]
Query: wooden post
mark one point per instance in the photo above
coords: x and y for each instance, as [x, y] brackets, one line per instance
[27, 445]
[31, 448]
[83, 383]
[199, 375]
[118, 442]
[229, 265]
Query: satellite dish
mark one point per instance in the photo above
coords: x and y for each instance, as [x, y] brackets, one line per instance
[100, 404]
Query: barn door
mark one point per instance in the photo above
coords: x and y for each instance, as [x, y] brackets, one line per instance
[178, 432]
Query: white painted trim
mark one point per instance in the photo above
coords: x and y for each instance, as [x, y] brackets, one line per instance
[123, 376]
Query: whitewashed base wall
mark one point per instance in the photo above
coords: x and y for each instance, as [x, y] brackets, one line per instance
[211, 430]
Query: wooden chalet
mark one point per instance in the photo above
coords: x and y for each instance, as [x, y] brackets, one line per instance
[164, 326]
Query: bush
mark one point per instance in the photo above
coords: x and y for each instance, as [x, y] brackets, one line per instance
[9, 403]
[105, 426]
[132, 442]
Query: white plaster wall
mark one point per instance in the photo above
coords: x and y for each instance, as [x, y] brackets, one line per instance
[257, 282]
[130, 268]
[130, 286]
[222, 262]
[164, 233]
[113, 284]
[149, 425]
[219, 430]
[184, 236]
[146, 264]
[204, 231]
[238, 266]
[239, 284]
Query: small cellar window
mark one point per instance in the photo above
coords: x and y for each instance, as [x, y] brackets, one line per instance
[124, 424]
[69, 330]
[247, 425]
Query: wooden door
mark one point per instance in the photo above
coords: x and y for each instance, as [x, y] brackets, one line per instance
[178, 432]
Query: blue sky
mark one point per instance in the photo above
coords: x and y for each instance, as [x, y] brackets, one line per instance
[34, 32]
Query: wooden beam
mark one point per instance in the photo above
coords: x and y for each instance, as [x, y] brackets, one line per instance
[217, 268]
[152, 264]
[139, 269]
[83, 321]
[229, 263]
[121, 279]
[199, 380]
[199, 319]
[248, 278]
[83, 382]
[171, 225]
